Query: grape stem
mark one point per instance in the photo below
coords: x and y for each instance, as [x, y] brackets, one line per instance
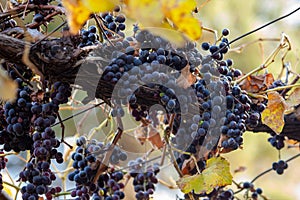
[79, 113]
[265, 172]
[105, 162]
[257, 29]
[49, 34]
[167, 136]
[284, 42]
[239, 49]
[280, 88]
[62, 194]
[11, 185]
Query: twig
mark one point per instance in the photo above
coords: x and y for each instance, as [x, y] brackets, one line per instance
[283, 43]
[257, 29]
[280, 88]
[63, 131]
[268, 170]
[79, 113]
[105, 162]
[48, 35]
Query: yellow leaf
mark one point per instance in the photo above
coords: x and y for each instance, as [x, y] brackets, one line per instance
[217, 173]
[163, 15]
[100, 6]
[79, 11]
[180, 13]
[77, 14]
[273, 115]
[8, 88]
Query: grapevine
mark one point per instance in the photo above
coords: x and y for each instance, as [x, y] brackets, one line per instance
[189, 103]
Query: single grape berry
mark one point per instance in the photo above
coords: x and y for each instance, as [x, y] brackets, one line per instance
[225, 32]
[38, 18]
[205, 46]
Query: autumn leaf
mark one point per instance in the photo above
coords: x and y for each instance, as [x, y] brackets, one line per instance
[217, 173]
[79, 11]
[186, 78]
[101, 6]
[187, 166]
[162, 16]
[8, 88]
[154, 137]
[180, 13]
[257, 83]
[273, 115]
[293, 99]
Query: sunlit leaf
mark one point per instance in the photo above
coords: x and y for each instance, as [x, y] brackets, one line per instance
[77, 14]
[100, 6]
[79, 11]
[165, 15]
[217, 173]
[273, 115]
[8, 88]
[180, 13]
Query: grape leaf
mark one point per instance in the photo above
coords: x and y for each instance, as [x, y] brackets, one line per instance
[186, 78]
[78, 11]
[273, 115]
[257, 83]
[180, 13]
[293, 98]
[217, 173]
[101, 6]
[154, 137]
[162, 16]
[8, 89]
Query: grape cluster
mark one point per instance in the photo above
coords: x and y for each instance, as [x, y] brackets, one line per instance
[226, 195]
[144, 178]
[279, 166]
[240, 111]
[18, 117]
[115, 22]
[40, 177]
[83, 174]
[254, 192]
[89, 37]
[85, 159]
[217, 51]
[277, 141]
[110, 186]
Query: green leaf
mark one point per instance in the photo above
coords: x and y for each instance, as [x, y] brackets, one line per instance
[217, 173]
